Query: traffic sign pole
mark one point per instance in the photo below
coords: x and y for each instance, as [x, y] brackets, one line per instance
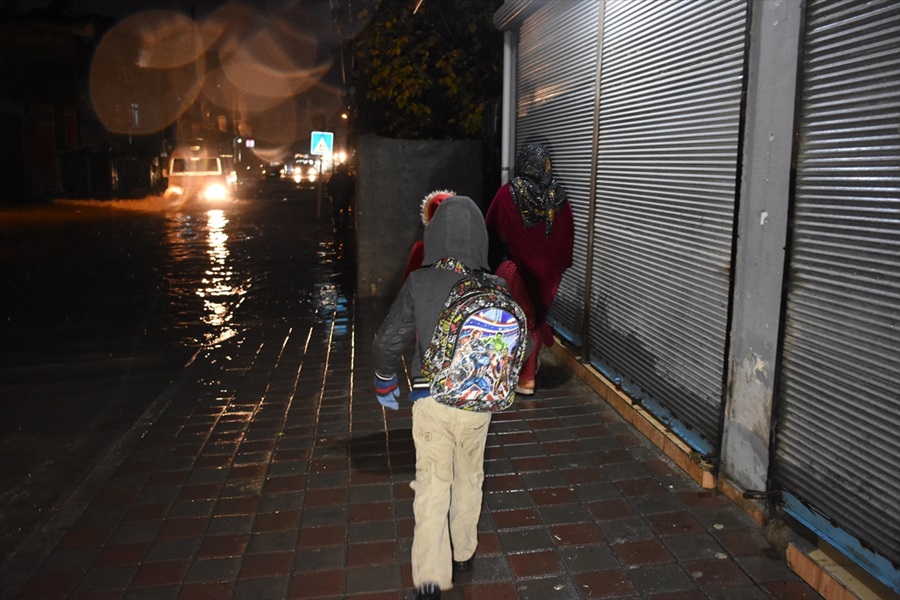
[321, 143]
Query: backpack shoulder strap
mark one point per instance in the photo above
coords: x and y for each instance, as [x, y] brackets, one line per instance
[451, 264]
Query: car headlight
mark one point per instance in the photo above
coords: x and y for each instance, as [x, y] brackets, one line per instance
[216, 191]
[174, 190]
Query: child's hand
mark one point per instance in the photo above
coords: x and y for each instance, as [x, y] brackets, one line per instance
[386, 391]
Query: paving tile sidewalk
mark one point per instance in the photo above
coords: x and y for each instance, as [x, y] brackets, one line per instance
[271, 472]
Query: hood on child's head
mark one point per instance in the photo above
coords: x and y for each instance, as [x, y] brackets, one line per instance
[457, 230]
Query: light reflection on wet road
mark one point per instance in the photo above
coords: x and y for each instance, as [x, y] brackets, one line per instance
[104, 302]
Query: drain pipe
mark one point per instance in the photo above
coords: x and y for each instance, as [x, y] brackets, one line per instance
[508, 114]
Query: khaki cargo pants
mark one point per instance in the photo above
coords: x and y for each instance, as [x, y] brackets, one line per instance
[449, 472]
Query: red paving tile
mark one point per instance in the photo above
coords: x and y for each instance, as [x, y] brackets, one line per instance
[86, 537]
[162, 573]
[533, 463]
[183, 528]
[402, 491]
[371, 554]
[319, 584]
[502, 483]
[535, 564]
[327, 497]
[563, 447]
[207, 491]
[223, 545]
[121, 554]
[206, 591]
[575, 534]
[237, 506]
[588, 431]
[266, 565]
[643, 552]
[639, 487]
[405, 527]
[539, 424]
[518, 437]
[287, 483]
[373, 511]
[488, 543]
[547, 496]
[287, 455]
[212, 462]
[490, 591]
[146, 512]
[520, 517]
[49, 585]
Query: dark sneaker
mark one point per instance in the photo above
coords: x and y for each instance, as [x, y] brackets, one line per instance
[429, 591]
[463, 566]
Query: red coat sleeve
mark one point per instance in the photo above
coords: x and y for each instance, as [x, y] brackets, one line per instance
[416, 255]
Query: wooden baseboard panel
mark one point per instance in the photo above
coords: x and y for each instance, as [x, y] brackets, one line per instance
[673, 447]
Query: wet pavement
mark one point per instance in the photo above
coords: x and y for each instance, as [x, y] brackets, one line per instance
[267, 470]
[103, 303]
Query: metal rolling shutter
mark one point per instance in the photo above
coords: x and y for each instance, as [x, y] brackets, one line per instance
[837, 446]
[555, 83]
[670, 109]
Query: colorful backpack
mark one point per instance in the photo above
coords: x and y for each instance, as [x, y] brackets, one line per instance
[476, 352]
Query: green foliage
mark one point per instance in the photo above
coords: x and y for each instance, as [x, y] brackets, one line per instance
[426, 75]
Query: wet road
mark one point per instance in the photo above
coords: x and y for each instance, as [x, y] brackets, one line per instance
[104, 302]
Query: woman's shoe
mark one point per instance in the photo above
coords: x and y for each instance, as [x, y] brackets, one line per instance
[525, 388]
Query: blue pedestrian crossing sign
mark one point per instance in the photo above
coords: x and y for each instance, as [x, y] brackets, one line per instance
[322, 142]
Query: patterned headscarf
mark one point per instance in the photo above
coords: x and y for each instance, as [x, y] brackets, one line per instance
[537, 195]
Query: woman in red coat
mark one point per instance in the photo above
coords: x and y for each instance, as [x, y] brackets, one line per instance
[532, 217]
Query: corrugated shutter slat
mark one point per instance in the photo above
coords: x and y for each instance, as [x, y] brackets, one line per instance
[670, 107]
[557, 68]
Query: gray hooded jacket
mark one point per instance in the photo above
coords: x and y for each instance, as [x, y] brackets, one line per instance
[457, 230]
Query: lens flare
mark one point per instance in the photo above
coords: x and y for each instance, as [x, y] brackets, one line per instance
[242, 70]
[137, 88]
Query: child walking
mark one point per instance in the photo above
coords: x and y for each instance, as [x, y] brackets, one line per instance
[449, 439]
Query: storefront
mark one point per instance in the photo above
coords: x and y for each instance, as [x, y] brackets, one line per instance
[733, 168]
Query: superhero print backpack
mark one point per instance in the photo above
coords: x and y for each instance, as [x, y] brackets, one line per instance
[476, 352]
